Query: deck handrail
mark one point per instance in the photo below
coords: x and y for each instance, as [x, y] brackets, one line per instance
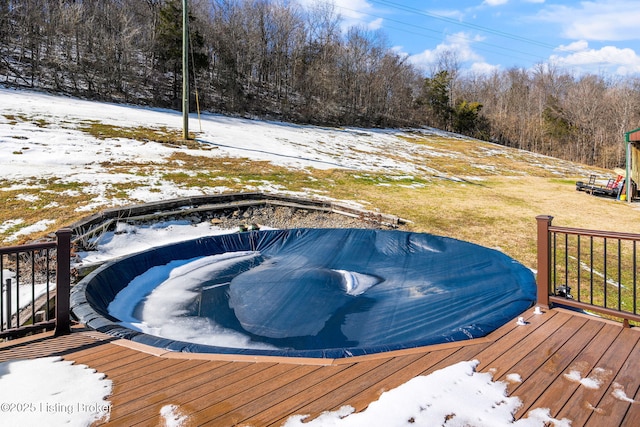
[547, 284]
[61, 322]
[563, 267]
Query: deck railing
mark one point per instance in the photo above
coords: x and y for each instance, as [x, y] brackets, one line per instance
[31, 275]
[592, 270]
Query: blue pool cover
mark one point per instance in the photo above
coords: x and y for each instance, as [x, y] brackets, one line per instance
[328, 292]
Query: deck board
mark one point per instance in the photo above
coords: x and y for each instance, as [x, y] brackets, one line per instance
[136, 407]
[257, 411]
[549, 370]
[583, 404]
[128, 362]
[142, 368]
[297, 397]
[525, 340]
[632, 417]
[238, 408]
[223, 390]
[538, 355]
[510, 334]
[385, 380]
[614, 409]
[45, 345]
[323, 396]
[560, 390]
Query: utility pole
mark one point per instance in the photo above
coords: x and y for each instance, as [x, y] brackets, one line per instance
[185, 70]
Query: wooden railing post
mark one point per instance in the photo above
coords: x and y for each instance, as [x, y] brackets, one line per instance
[63, 282]
[544, 259]
[8, 303]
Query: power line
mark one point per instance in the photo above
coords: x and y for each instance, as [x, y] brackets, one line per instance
[422, 28]
[503, 34]
[464, 24]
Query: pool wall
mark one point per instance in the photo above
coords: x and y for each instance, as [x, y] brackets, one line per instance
[431, 290]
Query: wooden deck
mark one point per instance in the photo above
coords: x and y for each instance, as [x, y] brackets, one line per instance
[226, 390]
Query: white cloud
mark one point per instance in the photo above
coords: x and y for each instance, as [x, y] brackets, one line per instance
[601, 20]
[606, 20]
[578, 46]
[457, 14]
[483, 68]
[375, 24]
[353, 9]
[458, 43]
[495, 2]
[622, 61]
[353, 12]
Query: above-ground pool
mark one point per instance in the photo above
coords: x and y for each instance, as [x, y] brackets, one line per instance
[306, 293]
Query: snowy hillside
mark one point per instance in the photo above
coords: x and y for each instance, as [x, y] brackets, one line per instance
[60, 155]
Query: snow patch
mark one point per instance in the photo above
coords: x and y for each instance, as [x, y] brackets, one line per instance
[72, 395]
[42, 225]
[164, 293]
[592, 382]
[10, 224]
[514, 378]
[172, 417]
[357, 283]
[27, 197]
[619, 393]
[455, 395]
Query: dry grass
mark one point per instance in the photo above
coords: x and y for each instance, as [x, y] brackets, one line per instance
[163, 135]
[500, 213]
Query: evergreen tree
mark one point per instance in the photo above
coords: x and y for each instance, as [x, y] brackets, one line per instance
[436, 98]
[468, 121]
[169, 45]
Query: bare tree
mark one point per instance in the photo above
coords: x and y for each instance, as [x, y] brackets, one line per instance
[276, 58]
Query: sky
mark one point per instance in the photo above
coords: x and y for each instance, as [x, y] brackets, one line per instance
[599, 36]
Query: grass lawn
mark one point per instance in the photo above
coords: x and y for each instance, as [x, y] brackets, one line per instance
[465, 189]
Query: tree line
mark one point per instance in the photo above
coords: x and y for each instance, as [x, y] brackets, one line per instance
[276, 59]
